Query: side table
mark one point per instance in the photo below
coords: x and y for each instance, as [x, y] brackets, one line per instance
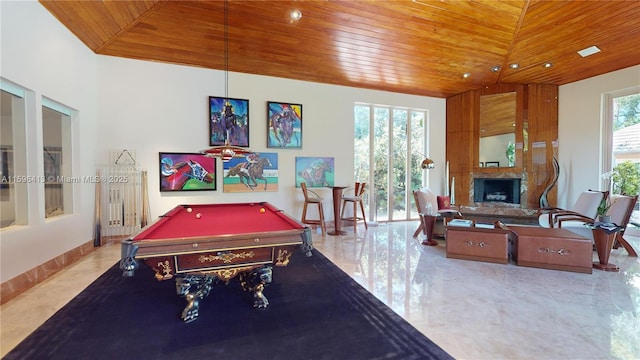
[428, 224]
[604, 239]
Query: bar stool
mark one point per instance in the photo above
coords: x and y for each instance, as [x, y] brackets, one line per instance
[310, 197]
[355, 199]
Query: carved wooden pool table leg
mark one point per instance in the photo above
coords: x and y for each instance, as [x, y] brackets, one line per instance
[185, 285]
[255, 281]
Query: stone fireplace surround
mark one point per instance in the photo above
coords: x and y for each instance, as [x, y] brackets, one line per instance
[487, 212]
[499, 175]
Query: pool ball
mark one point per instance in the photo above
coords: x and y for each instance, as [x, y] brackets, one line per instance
[189, 210]
[198, 215]
[262, 210]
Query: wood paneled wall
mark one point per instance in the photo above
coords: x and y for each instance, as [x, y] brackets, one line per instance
[536, 140]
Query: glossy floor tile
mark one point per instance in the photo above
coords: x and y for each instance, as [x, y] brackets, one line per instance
[473, 310]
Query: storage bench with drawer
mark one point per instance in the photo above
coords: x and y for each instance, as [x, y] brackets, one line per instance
[479, 244]
[552, 248]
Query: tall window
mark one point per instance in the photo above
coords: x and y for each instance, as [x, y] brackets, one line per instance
[621, 149]
[56, 130]
[12, 150]
[389, 147]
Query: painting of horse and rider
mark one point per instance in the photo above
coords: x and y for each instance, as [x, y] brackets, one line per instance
[187, 172]
[252, 173]
[284, 125]
[228, 121]
[315, 171]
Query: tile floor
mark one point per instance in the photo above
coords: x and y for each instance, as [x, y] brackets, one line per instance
[473, 310]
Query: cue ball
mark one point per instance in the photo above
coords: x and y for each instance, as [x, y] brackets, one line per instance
[189, 210]
[198, 215]
[262, 210]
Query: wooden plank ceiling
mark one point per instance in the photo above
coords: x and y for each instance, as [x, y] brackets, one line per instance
[418, 47]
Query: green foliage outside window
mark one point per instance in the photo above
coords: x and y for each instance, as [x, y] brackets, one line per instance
[626, 111]
[626, 178]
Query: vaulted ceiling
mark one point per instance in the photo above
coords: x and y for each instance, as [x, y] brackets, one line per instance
[418, 47]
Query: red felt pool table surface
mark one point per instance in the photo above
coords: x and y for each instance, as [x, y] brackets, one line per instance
[218, 220]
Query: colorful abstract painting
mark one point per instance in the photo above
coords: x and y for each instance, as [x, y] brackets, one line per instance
[315, 171]
[228, 120]
[187, 172]
[284, 125]
[255, 172]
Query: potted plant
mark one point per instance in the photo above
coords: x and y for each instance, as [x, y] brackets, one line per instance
[603, 207]
[511, 154]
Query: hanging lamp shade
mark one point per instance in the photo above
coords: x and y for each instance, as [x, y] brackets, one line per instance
[427, 164]
[226, 152]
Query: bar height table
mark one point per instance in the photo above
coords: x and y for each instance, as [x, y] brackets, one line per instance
[337, 200]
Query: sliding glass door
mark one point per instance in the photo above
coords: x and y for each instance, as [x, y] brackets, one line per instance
[389, 147]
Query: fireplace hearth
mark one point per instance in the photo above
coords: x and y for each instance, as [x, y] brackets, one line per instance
[503, 190]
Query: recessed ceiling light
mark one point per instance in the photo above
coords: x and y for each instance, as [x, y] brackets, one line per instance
[514, 66]
[295, 15]
[547, 64]
[589, 51]
[466, 75]
[495, 68]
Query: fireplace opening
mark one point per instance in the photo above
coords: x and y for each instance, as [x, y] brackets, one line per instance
[496, 190]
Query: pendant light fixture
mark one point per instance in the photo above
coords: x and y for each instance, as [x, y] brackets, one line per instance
[227, 151]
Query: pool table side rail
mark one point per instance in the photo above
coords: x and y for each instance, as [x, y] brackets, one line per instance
[203, 244]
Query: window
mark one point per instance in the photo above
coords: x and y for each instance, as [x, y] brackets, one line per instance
[13, 185]
[622, 139]
[388, 149]
[56, 130]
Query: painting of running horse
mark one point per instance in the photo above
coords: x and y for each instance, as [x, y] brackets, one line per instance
[187, 172]
[255, 172]
[315, 171]
[228, 121]
[285, 125]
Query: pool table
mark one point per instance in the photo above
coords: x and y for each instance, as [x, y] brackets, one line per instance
[201, 245]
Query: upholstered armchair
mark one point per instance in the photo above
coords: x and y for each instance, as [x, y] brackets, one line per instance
[620, 213]
[427, 203]
[586, 206]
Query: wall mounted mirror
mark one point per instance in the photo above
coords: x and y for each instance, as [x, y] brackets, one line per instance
[498, 130]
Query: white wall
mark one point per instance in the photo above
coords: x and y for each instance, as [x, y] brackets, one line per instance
[41, 55]
[153, 107]
[580, 120]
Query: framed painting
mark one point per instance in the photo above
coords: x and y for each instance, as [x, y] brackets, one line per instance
[253, 173]
[492, 164]
[284, 125]
[315, 171]
[186, 172]
[228, 121]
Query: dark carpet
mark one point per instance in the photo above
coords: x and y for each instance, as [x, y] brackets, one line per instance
[316, 311]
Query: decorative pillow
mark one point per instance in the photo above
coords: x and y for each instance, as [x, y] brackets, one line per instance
[444, 202]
